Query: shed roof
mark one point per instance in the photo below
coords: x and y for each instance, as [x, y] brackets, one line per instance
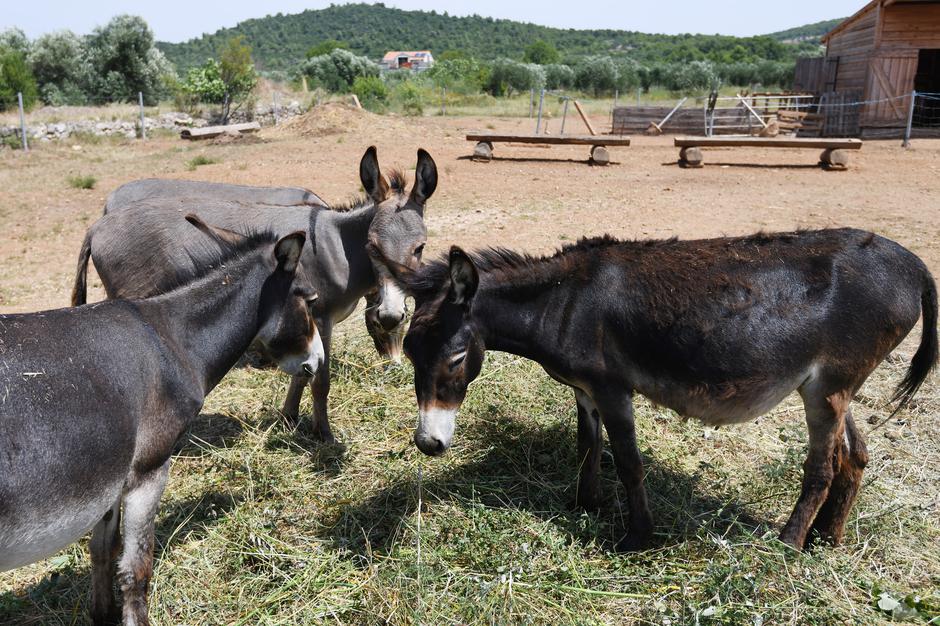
[391, 55]
[865, 10]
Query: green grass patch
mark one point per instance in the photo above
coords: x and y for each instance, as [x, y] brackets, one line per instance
[263, 525]
[82, 182]
[198, 160]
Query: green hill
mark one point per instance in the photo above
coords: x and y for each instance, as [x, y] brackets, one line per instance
[279, 41]
[809, 33]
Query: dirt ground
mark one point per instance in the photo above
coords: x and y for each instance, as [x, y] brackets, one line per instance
[529, 198]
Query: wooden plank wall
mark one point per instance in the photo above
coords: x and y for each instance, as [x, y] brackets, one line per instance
[853, 47]
[911, 26]
[633, 120]
[810, 75]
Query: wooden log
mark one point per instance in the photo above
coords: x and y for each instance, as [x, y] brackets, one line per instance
[835, 159]
[584, 118]
[586, 140]
[690, 157]
[600, 155]
[768, 142]
[208, 132]
[483, 151]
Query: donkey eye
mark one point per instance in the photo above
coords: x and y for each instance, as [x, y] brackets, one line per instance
[419, 251]
[457, 359]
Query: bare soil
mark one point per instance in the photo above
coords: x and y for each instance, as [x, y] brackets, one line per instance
[529, 198]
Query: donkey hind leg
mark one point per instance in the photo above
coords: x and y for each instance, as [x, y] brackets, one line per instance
[141, 501]
[617, 415]
[320, 388]
[590, 446]
[105, 546]
[825, 422]
[849, 460]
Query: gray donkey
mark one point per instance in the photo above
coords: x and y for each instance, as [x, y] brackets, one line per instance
[389, 219]
[96, 397]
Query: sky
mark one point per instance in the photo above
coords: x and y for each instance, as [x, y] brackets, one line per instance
[179, 20]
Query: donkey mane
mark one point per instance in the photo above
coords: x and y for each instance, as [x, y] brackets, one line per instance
[396, 182]
[214, 254]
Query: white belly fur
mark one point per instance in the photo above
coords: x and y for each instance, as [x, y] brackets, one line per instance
[31, 538]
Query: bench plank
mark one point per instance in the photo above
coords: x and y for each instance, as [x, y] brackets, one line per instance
[579, 140]
[768, 142]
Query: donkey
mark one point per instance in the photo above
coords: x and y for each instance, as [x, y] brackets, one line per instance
[718, 329]
[336, 262]
[96, 397]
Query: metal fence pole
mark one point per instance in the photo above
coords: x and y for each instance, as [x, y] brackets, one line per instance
[143, 128]
[910, 121]
[443, 101]
[564, 116]
[638, 92]
[538, 122]
[19, 98]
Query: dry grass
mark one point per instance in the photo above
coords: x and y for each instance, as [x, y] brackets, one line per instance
[262, 525]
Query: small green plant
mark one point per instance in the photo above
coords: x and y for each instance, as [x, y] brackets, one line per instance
[12, 141]
[409, 96]
[82, 182]
[372, 92]
[198, 160]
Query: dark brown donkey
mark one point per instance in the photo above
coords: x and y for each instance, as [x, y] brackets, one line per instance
[95, 398]
[718, 329]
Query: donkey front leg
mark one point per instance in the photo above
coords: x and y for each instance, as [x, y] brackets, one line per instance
[590, 446]
[825, 421]
[849, 460]
[105, 546]
[617, 415]
[320, 388]
[291, 408]
[141, 501]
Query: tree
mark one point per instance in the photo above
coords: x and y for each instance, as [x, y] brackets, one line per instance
[558, 76]
[237, 73]
[56, 60]
[338, 70]
[15, 77]
[541, 52]
[122, 61]
[14, 39]
[325, 47]
[596, 73]
[507, 76]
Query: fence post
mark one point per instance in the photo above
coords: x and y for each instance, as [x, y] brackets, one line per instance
[143, 128]
[538, 122]
[638, 92]
[443, 101]
[531, 102]
[564, 116]
[910, 121]
[19, 98]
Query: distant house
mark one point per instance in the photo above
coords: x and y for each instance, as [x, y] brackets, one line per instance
[407, 60]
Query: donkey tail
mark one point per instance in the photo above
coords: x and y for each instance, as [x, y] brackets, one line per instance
[79, 291]
[925, 359]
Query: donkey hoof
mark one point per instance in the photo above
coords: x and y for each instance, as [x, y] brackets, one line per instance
[635, 541]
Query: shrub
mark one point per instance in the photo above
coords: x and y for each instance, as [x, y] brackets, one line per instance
[338, 70]
[198, 160]
[461, 74]
[409, 96]
[596, 73]
[15, 77]
[325, 47]
[56, 60]
[687, 78]
[507, 76]
[123, 61]
[541, 52]
[371, 91]
[558, 76]
[82, 182]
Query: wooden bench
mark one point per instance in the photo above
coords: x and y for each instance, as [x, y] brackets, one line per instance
[599, 154]
[833, 155]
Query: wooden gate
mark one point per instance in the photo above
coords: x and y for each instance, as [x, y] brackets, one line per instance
[890, 78]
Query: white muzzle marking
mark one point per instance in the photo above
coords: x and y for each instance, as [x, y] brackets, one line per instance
[436, 424]
[307, 363]
[392, 305]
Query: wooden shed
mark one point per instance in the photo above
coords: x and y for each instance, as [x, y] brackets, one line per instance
[885, 51]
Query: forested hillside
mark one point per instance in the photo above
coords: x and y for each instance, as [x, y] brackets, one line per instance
[809, 33]
[280, 41]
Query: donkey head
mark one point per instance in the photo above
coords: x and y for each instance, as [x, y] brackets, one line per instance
[446, 349]
[397, 232]
[287, 331]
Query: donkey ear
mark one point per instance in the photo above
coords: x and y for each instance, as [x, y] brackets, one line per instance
[287, 250]
[219, 234]
[464, 279]
[371, 177]
[425, 178]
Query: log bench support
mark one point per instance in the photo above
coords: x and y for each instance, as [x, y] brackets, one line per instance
[834, 155]
[600, 155]
[483, 152]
